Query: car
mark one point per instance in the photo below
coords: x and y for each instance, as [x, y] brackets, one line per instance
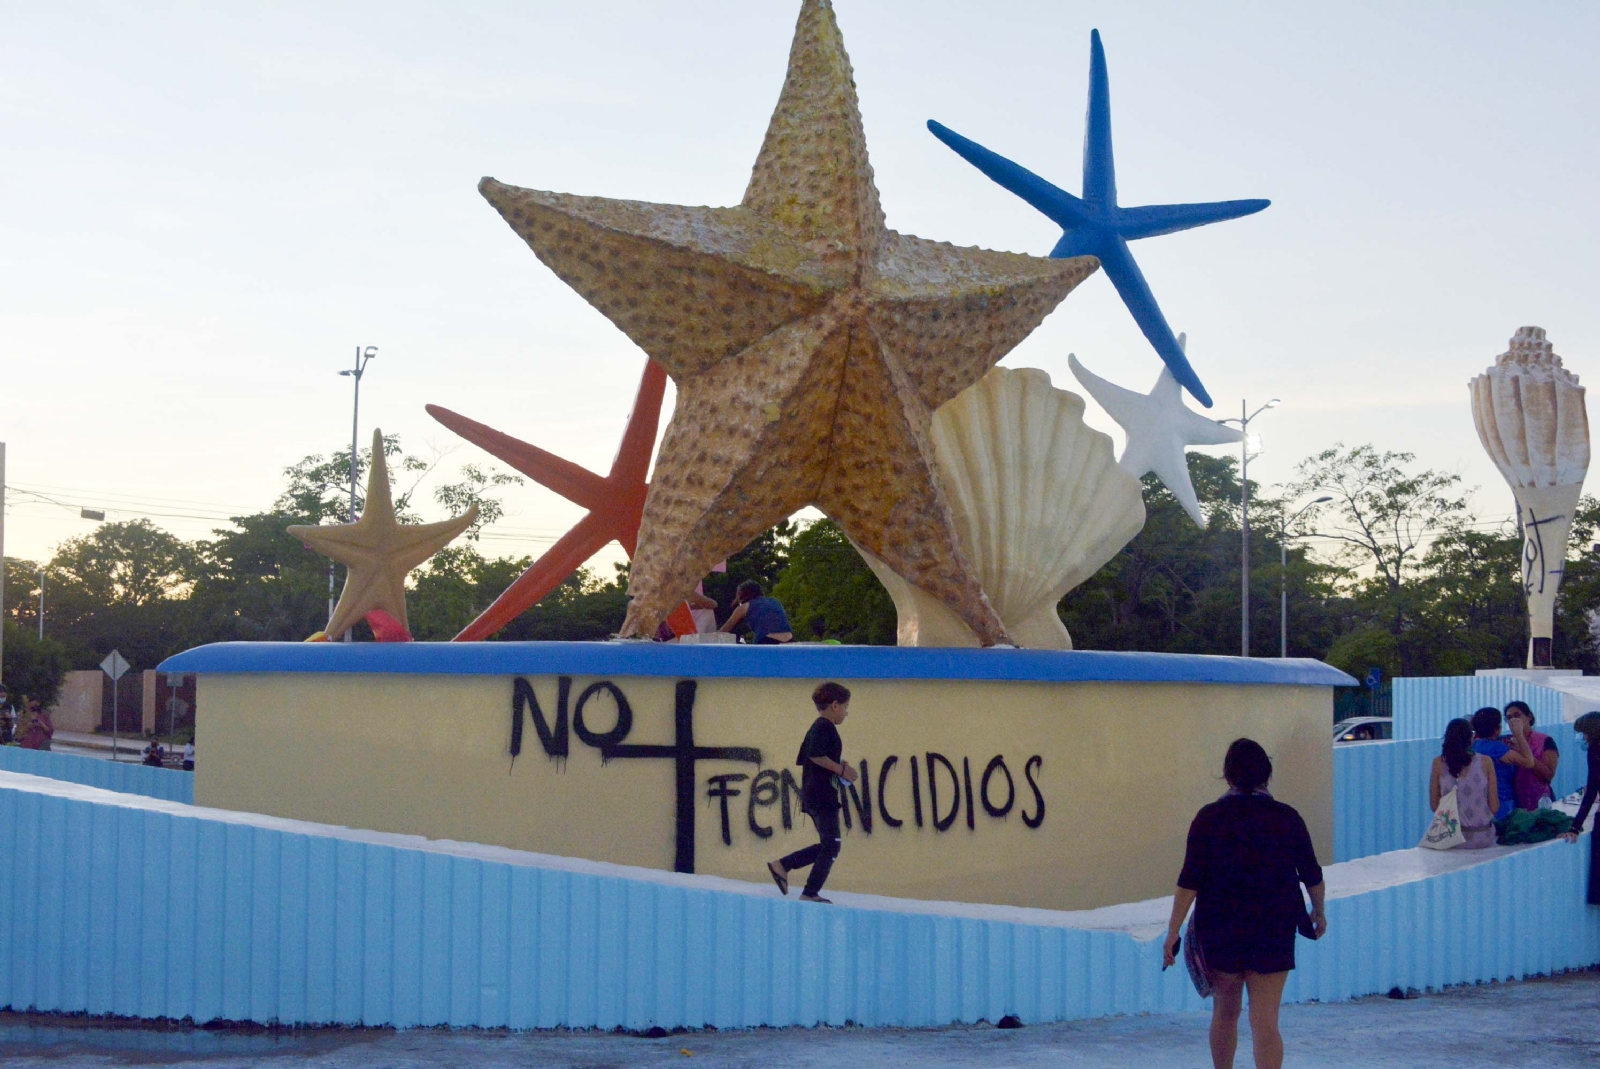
[1363, 729]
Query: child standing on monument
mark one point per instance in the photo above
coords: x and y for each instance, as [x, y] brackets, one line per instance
[820, 760]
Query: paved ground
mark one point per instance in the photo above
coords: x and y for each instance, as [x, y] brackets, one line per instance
[1472, 1026]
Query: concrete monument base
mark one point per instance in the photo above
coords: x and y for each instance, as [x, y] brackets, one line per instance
[1031, 778]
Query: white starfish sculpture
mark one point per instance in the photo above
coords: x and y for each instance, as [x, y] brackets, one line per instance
[1159, 426]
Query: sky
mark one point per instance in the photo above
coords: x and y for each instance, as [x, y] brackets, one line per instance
[205, 209]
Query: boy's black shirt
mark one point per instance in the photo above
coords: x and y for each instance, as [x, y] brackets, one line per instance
[816, 782]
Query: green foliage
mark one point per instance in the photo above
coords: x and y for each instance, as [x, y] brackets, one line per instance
[131, 563]
[1414, 588]
[33, 669]
[319, 487]
[1383, 513]
[829, 592]
[584, 608]
[121, 587]
[458, 584]
[1175, 587]
[256, 583]
[1359, 651]
[472, 489]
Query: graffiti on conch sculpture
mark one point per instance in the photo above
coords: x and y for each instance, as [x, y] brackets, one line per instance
[1532, 421]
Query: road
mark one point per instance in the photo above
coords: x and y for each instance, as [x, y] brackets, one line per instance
[1549, 1023]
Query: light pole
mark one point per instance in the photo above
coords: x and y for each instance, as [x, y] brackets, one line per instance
[363, 357]
[1283, 574]
[41, 604]
[1244, 518]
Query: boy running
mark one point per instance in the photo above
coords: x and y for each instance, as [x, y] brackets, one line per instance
[820, 761]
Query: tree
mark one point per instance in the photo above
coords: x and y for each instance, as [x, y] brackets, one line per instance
[130, 563]
[257, 583]
[121, 587]
[1467, 606]
[827, 584]
[1384, 514]
[584, 607]
[1175, 586]
[319, 487]
[34, 668]
[458, 584]
[472, 489]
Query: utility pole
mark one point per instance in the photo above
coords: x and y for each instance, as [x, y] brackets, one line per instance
[41, 604]
[1244, 535]
[1244, 518]
[363, 357]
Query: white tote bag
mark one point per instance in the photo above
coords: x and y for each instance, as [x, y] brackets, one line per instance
[1445, 831]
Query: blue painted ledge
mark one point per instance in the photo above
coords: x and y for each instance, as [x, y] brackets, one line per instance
[800, 661]
[125, 777]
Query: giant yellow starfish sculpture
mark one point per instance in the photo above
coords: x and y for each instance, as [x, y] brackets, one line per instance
[809, 343]
[378, 550]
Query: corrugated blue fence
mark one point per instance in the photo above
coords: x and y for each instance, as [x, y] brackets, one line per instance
[1380, 790]
[137, 908]
[129, 778]
[1423, 705]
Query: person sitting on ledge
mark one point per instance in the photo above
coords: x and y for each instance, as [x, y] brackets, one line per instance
[1533, 784]
[1471, 775]
[1508, 754]
[762, 614]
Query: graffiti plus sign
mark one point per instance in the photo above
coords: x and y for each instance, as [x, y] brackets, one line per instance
[681, 750]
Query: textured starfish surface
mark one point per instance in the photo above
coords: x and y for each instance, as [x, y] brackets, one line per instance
[615, 501]
[378, 549]
[1096, 225]
[809, 343]
[1159, 428]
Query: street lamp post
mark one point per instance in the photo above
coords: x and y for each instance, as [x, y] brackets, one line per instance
[41, 604]
[1244, 518]
[363, 357]
[1283, 575]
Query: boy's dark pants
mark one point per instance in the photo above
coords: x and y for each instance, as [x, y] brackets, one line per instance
[819, 857]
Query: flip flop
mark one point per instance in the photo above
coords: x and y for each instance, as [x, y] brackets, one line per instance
[816, 898]
[779, 877]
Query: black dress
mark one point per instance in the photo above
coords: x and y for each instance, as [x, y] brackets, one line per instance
[1247, 857]
[1589, 791]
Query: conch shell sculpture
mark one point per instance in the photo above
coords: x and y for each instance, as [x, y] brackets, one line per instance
[1531, 419]
[1039, 504]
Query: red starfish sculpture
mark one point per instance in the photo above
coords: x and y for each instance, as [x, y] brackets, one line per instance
[615, 501]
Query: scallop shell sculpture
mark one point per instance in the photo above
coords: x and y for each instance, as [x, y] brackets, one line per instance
[1039, 503]
[1533, 423]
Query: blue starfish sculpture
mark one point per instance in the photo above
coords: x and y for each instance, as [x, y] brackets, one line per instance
[1096, 226]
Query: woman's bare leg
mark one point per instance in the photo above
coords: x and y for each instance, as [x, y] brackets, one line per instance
[1227, 998]
[1266, 994]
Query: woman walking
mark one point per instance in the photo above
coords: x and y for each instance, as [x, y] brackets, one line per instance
[1588, 725]
[1471, 775]
[1247, 857]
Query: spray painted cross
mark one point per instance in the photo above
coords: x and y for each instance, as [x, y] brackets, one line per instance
[683, 751]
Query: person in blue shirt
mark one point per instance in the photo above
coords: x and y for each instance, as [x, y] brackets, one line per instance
[1508, 754]
[762, 614]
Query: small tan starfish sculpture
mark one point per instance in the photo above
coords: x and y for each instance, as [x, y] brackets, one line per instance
[809, 343]
[378, 550]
